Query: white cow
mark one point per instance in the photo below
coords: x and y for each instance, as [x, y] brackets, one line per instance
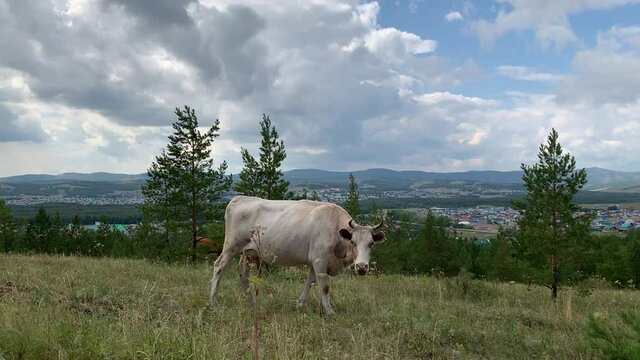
[321, 235]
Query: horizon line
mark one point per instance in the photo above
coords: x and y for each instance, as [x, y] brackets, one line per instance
[316, 169]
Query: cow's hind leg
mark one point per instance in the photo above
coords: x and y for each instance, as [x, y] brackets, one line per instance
[248, 260]
[322, 278]
[220, 265]
[305, 292]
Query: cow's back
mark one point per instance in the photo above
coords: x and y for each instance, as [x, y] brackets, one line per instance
[289, 230]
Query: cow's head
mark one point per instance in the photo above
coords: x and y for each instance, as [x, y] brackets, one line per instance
[362, 238]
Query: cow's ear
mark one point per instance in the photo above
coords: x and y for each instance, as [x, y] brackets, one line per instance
[344, 233]
[340, 250]
[379, 238]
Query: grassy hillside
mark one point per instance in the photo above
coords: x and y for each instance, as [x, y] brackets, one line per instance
[70, 307]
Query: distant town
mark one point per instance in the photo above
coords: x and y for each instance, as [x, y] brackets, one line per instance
[331, 194]
[481, 218]
[612, 218]
[123, 198]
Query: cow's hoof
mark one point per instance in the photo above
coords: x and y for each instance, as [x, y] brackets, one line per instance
[329, 312]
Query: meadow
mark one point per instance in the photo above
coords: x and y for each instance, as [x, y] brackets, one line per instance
[56, 307]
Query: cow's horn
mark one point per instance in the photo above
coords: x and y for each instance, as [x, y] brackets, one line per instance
[352, 223]
[377, 227]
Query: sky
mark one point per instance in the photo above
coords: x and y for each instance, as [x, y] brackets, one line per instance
[432, 85]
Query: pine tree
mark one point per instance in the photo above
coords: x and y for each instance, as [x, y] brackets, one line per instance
[435, 250]
[56, 235]
[183, 184]
[502, 264]
[73, 234]
[6, 226]
[39, 231]
[376, 213]
[394, 255]
[161, 202]
[249, 183]
[352, 205]
[633, 256]
[264, 178]
[551, 228]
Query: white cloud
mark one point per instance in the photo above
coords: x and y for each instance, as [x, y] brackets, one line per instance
[100, 84]
[392, 42]
[453, 16]
[628, 34]
[549, 19]
[605, 74]
[105, 76]
[526, 73]
[559, 35]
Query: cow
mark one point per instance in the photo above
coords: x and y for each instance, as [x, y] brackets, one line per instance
[320, 235]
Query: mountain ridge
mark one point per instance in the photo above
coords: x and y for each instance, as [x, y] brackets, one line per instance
[600, 179]
[74, 176]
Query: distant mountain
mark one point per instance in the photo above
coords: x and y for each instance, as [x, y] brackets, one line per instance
[612, 181]
[301, 176]
[373, 179]
[599, 179]
[99, 176]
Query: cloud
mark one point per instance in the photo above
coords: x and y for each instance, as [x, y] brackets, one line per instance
[101, 74]
[412, 5]
[437, 73]
[627, 34]
[453, 16]
[443, 131]
[548, 19]
[89, 86]
[16, 129]
[157, 14]
[391, 42]
[602, 75]
[526, 73]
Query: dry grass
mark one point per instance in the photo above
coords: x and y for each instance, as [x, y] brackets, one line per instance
[71, 307]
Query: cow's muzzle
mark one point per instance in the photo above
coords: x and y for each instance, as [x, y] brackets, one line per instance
[362, 269]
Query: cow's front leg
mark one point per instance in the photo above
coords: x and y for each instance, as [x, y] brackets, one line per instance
[305, 292]
[322, 278]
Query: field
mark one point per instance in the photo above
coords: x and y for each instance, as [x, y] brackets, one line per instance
[71, 307]
[478, 234]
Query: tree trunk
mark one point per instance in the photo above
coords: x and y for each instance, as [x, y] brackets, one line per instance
[194, 239]
[554, 278]
[166, 238]
[194, 227]
[166, 222]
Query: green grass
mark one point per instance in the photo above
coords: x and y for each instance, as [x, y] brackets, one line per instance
[72, 307]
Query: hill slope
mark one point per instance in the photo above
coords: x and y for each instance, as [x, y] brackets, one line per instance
[612, 181]
[99, 176]
[599, 179]
[379, 179]
[74, 307]
[300, 176]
